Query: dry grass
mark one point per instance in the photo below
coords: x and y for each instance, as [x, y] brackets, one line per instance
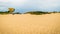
[30, 24]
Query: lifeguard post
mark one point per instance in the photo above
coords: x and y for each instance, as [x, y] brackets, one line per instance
[10, 10]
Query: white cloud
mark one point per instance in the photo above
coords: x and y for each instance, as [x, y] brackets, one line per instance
[4, 4]
[17, 2]
[13, 2]
[49, 3]
[33, 4]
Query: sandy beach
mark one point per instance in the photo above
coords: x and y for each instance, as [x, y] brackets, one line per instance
[30, 24]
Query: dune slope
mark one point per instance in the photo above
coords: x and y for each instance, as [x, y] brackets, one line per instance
[30, 24]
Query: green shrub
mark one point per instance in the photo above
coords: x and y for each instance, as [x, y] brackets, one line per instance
[36, 12]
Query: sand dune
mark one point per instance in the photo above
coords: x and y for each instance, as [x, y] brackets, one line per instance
[30, 24]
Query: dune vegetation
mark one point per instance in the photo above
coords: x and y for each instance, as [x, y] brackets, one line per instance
[29, 12]
[37, 12]
[40, 12]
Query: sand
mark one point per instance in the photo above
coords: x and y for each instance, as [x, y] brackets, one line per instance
[30, 24]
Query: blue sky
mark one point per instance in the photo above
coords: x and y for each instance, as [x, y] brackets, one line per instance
[30, 5]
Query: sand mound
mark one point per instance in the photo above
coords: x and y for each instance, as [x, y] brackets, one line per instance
[30, 24]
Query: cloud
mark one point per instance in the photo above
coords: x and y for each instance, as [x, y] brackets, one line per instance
[27, 5]
[4, 4]
[46, 5]
[12, 3]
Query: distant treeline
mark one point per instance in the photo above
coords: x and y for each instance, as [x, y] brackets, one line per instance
[40, 12]
[30, 12]
[11, 11]
[36, 12]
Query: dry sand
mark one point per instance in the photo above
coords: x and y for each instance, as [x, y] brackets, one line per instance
[30, 24]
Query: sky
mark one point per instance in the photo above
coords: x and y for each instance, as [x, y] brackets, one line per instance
[30, 5]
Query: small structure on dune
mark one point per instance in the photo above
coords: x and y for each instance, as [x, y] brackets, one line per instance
[10, 11]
